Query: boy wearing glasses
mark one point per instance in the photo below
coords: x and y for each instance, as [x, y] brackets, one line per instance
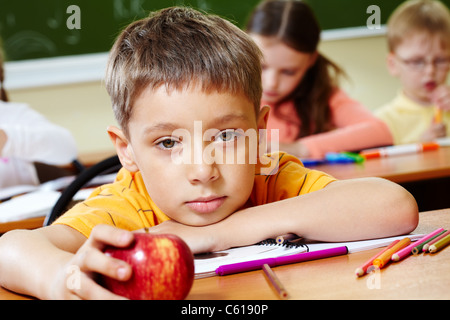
[419, 56]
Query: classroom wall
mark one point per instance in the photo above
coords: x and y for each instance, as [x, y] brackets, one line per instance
[85, 108]
[82, 108]
[364, 61]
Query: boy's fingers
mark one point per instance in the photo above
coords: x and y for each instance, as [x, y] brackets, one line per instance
[103, 235]
[90, 290]
[98, 262]
[441, 97]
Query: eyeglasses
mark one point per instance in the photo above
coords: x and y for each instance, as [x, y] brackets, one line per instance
[420, 64]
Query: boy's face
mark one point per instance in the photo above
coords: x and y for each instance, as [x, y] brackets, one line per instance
[175, 138]
[421, 62]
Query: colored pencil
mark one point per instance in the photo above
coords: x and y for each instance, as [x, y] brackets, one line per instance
[437, 115]
[403, 253]
[428, 244]
[384, 258]
[418, 248]
[285, 238]
[440, 244]
[275, 282]
[362, 270]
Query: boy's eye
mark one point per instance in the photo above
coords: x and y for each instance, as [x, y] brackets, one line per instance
[417, 63]
[227, 136]
[167, 144]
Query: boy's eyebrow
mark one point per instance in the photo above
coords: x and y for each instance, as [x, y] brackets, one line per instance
[229, 118]
[215, 122]
[162, 126]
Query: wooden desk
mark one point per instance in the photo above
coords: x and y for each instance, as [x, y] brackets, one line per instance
[32, 223]
[399, 169]
[426, 175]
[416, 277]
[89, 159]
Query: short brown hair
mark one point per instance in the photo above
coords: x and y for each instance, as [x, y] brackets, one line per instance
[418, 16]
[178, 47]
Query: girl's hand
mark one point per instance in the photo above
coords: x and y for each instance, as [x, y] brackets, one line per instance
[296, 148]
[76, 280]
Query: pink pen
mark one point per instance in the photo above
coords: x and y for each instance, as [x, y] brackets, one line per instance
[399, 255]
[273, 262]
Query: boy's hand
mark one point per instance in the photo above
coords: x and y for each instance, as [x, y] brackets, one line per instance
[435, 131]
[198, 239]
[441, 97]
[77, 279]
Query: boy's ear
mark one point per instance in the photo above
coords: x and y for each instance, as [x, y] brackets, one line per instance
[262, 125]
[392, 64]
[123, 148]
[263, 117]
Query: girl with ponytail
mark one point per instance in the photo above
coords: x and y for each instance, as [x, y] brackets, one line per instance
[313, 115]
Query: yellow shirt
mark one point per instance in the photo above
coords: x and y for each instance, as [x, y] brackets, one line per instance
[127, 205]
[408, 120]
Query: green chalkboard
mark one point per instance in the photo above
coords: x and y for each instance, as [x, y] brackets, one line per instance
[336, 14]
[32, 29]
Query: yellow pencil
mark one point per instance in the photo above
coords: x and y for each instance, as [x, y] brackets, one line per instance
[437, 115]
[439, 237]
[385, 257]
[439, 244]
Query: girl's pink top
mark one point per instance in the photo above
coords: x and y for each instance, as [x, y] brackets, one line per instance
[355, 128]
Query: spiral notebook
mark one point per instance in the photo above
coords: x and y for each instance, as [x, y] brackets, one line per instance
[206, 264]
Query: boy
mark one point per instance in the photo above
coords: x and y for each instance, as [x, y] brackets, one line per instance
[419, 55]
[175, 75]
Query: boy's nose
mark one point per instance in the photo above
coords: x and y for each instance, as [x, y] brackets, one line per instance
[430, 68]
[202, 173]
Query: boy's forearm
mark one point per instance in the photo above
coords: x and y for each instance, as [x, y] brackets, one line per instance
[343, 211]
[29, 262]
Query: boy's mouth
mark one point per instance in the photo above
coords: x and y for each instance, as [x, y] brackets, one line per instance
[206, 204]
[430, 85]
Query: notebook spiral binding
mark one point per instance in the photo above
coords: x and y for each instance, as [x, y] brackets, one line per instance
[286, 243]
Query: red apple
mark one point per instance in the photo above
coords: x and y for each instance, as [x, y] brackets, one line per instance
[163, 268]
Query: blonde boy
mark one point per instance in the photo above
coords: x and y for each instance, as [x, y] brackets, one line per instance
[167, 73]
[419, 56]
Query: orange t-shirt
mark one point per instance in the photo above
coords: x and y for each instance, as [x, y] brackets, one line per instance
[126, 204]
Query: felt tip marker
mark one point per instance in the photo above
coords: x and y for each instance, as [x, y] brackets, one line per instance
[399, 150]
